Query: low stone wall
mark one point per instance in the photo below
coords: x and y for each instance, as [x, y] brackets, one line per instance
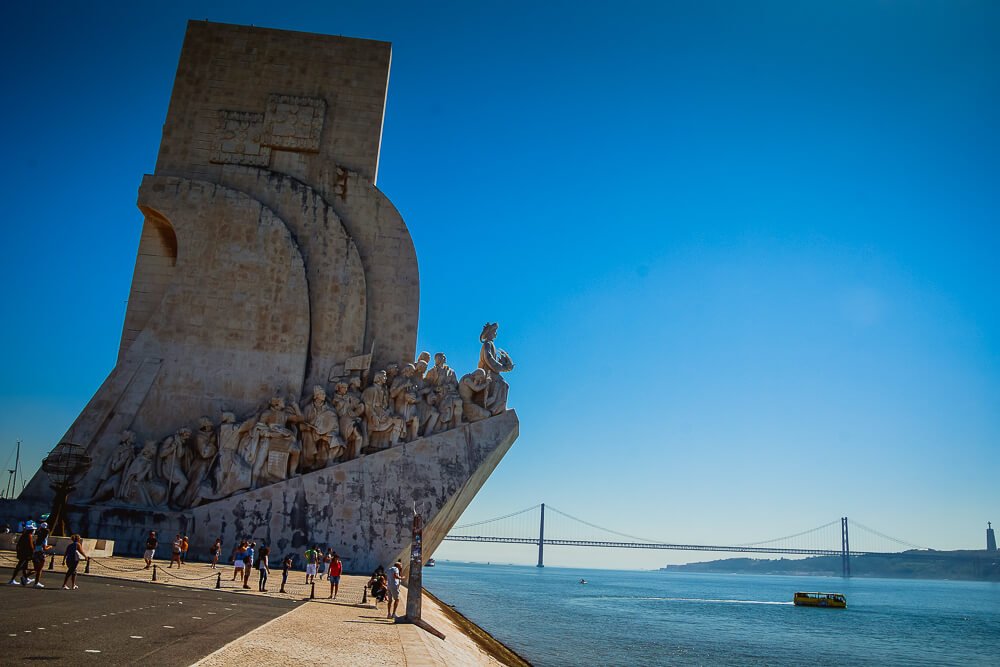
[93, 547]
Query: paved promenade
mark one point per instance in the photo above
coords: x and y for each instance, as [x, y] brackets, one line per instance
[125, 615]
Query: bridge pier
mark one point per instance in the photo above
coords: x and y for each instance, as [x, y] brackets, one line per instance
[541, 539]
[845, 549]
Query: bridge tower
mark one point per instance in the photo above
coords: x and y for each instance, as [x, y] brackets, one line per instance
[991, 538]
[845, 548]
[541, 538]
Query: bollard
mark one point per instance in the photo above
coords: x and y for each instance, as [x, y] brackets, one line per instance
[154, 571]
[218, 580]
[86, 570]
[52, 561]
[364, 595]
[312, 591]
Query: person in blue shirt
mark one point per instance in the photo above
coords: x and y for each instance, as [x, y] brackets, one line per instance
[248, 563]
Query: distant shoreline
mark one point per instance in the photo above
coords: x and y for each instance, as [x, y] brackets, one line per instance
[942, 565]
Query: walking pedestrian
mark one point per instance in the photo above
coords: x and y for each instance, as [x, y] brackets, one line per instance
[25, 550]
[74, 553]
[263, 565]
[392, 583]
[175, 551]
[336, 567]
[41, 550]
[184, 549]
[215, 551]
[150, 549]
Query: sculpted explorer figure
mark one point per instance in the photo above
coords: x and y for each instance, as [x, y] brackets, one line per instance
[198, 461]
[494, 362]
[139, 485]
[320, 430]
[272, 434]
[383, 426]
[473, 388]
[117, 466]
[446, 397]
[427, 413]
[233, 472]
[350, 410]
[404, 400]
[173, 452]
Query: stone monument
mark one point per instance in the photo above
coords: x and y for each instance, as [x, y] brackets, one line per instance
[267, 382]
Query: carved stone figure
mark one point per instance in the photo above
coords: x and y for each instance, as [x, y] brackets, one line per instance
[115, 470]
[426, 412]
[404, 401]
[349, 410]
[445, 397]
[473, 388]
[140, 485]
[200, 457]
[273, 446]
[172, 455]
[494, 361]
[233, 473]
[384, 427]
[319, 428]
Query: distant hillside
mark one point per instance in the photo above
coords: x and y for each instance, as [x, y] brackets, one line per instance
[969, 565]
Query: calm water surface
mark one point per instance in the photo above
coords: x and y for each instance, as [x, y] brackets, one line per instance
[656, 618]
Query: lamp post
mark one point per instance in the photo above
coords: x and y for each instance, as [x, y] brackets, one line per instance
[64, 465]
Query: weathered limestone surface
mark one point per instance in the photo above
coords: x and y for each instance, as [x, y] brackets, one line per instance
[364, 508]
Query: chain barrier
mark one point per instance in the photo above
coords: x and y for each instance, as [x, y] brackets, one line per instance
[101, 563]
[167, 571]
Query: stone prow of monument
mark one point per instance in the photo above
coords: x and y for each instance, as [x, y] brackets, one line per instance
[270, 264]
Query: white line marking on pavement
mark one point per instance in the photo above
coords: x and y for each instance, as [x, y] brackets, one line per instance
[91, 650]
[169, 627]
[135, 636]
[197, 618]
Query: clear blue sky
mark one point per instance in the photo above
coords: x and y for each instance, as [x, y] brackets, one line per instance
[743, 253]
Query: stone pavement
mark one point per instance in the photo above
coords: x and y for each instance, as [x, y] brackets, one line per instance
[344, 631]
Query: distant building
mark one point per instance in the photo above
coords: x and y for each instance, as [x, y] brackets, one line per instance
[991, 538]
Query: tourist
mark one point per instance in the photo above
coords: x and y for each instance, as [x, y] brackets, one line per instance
[215, 551]
[378, 586]
[150, 549]
[311, 556]
[394, 578]
[336, 567]
[264, 569]
[238, 560]
[248, 556]
[328, 559]
[74, 553]
[175, 551]
[41, 550]
[24, 550]
[323, 563]
[286, 565]
[184, 549]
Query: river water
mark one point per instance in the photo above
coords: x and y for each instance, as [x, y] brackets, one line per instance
[660, 618]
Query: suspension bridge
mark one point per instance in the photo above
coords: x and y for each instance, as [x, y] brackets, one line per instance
[528, 526]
